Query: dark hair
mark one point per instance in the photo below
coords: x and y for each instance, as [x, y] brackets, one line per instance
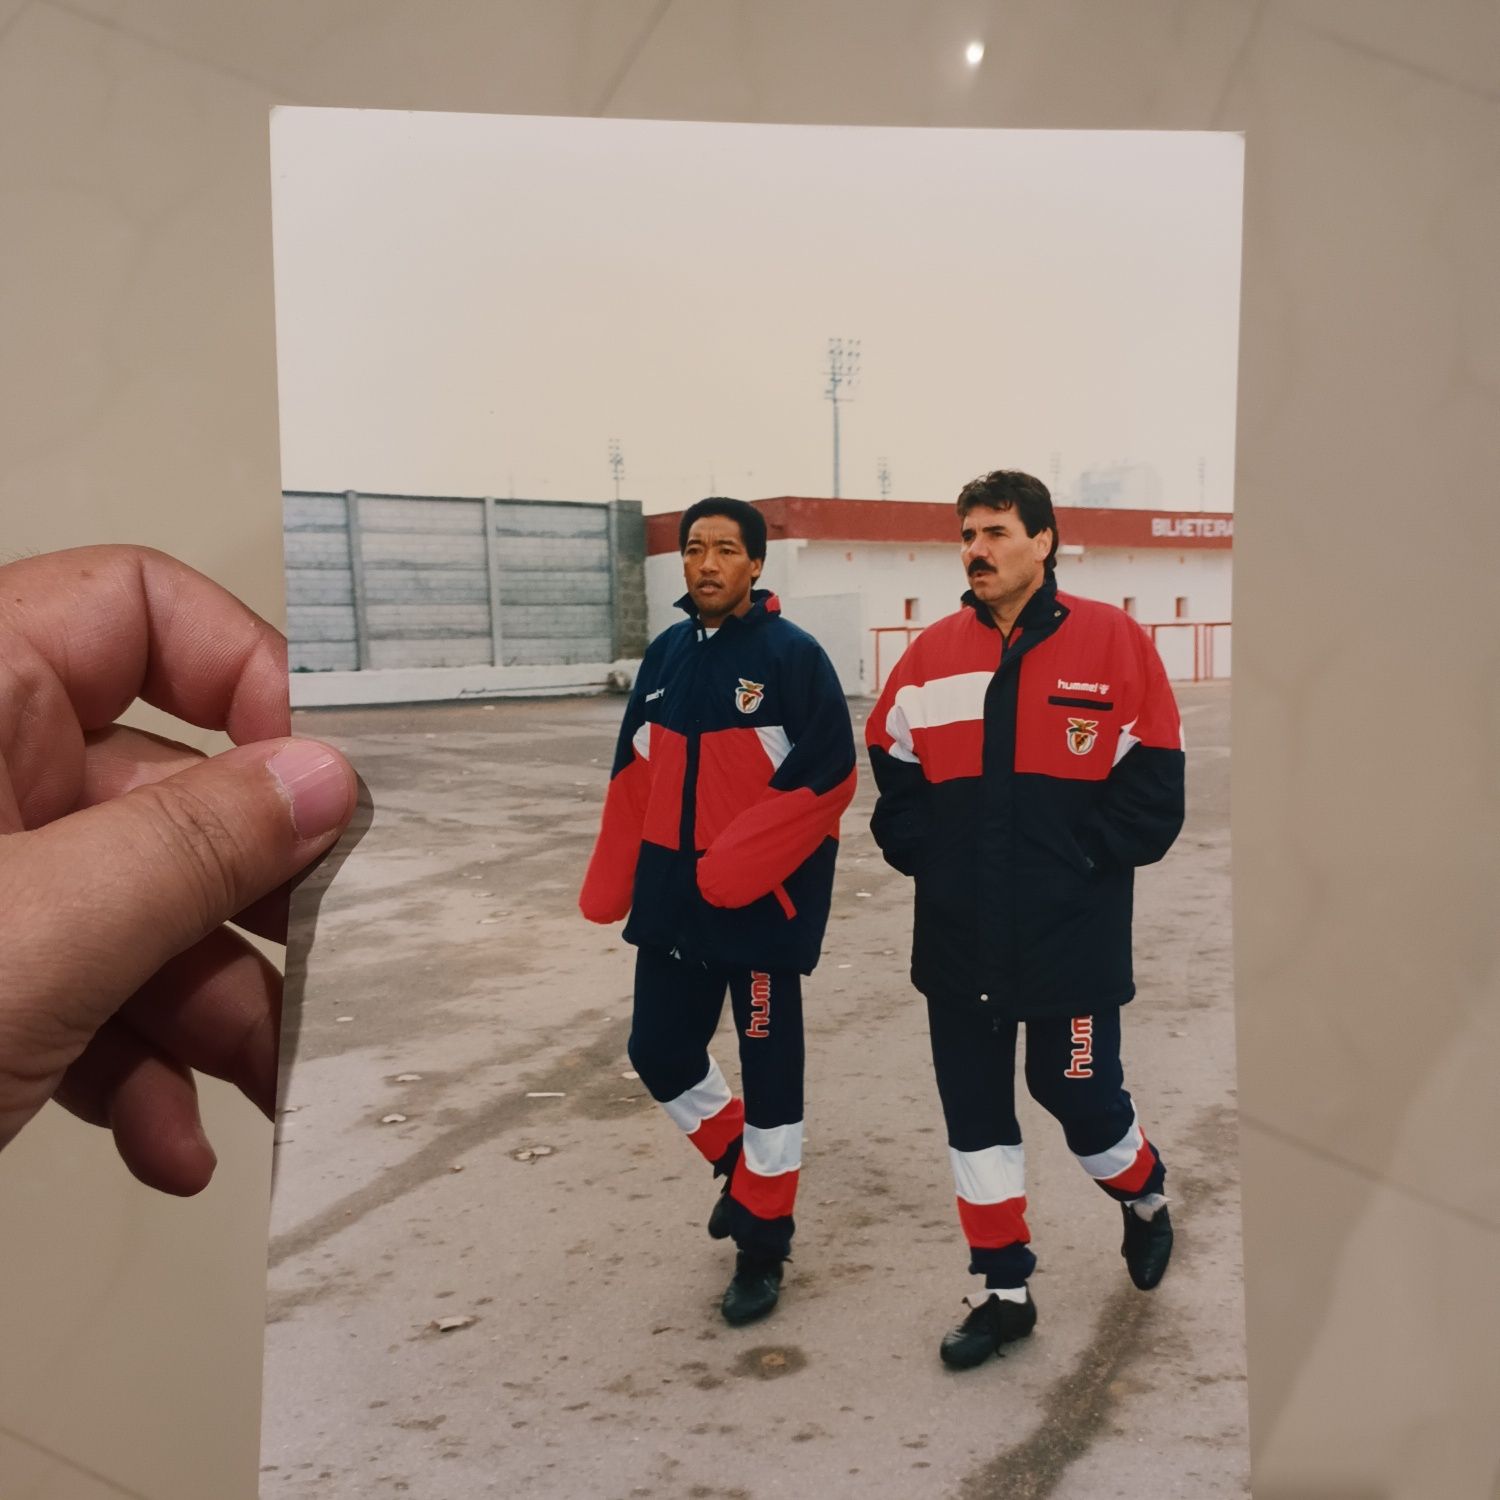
[750, 521]
[1007, 489]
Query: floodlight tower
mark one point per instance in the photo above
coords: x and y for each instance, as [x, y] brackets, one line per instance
[883, 475]
[843, 375]
[616, 464]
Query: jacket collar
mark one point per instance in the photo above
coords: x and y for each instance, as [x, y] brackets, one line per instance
[1040, 613]
[763, 604]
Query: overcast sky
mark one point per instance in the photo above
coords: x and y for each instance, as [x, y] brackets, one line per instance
[471, 304]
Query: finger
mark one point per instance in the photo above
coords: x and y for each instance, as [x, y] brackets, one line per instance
[268, 917]
[118, 623]
[41, 745]
[215, 1009]
[106, 896]
[119, 759]
[271, 917]
[149, 1103]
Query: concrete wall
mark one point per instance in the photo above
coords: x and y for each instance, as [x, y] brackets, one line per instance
[391, 592]
[627, 550]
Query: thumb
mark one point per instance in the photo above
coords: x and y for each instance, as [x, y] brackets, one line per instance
[99, 900]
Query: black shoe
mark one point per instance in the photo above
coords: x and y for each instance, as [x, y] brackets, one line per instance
[718, 1220]
[755, 1288]
[1147, 1246]
[993, 1323]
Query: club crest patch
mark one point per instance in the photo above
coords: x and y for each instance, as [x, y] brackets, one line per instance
[748, 695]
[1081, 735]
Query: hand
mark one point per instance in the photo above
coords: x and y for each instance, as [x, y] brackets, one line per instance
[122, 854]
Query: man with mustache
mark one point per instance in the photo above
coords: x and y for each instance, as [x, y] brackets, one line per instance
[1028, 755]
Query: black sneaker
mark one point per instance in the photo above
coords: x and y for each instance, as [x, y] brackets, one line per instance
[754, 1290]
[993, 1323]
[1147, 1246]
[718, 1220]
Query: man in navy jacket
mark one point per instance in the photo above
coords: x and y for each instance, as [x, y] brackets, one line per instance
[718, 837]
[1029, 756]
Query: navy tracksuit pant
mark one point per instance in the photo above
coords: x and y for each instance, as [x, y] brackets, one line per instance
[1073, 1071]
[758, 1139]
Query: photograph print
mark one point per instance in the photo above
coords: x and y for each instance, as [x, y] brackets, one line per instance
[770, 1029]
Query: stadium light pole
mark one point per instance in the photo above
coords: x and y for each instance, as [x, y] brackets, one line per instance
[616, 464]
[843, 375]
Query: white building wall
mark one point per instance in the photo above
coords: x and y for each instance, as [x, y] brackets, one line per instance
[884, 575]
[867, 584]
[1155, 580]
[887, 574]
[663, 586]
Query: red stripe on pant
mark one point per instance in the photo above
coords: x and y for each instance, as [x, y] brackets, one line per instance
[715, 1135]
[765, 1197]
[992, 1226]
[1133, 1178]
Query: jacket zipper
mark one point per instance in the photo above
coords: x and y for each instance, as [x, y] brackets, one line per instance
[687, 836]
[986, 995]
[1012, 947]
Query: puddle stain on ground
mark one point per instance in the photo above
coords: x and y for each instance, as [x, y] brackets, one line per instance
[770, 1361]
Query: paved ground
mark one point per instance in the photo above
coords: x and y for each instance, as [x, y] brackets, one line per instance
[448, 946]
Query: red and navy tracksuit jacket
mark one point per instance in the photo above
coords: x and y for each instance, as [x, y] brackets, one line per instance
[720, 827]
[1021, 783]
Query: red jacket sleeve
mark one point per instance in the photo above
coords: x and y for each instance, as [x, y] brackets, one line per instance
[609, 884]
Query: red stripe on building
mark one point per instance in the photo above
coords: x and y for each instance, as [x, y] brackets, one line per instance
[715, 1135]
[993, 1226]
[765, 1197]
[816, 518]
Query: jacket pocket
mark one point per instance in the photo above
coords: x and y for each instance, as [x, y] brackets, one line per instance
[1081, 859]
[1086, 861]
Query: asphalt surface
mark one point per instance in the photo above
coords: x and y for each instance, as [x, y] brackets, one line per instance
[447, 945]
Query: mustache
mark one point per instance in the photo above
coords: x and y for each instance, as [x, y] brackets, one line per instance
[976, 568]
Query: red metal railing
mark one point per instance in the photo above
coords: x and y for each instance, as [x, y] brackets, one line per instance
[1203, 642]
[909, 633]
